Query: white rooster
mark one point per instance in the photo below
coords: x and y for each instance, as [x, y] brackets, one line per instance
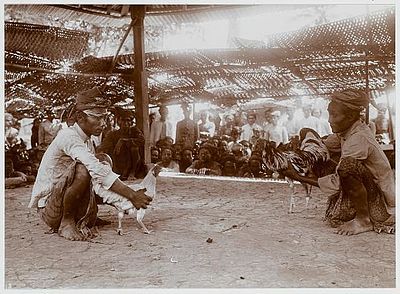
[123, 205]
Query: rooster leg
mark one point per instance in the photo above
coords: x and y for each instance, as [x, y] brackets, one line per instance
[308, 194]
[291, 200]
[120, 217]
[131, 213]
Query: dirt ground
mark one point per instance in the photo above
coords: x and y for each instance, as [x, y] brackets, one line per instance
[255, 244]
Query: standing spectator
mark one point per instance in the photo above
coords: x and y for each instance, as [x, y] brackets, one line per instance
[205, 125]
[381, 121]
[309, 121]
[229, 123]
[35, 133]
[256, 135]
[292, 124]
[187, 131]
[123, 145]
[10, 133]
[247, 129]
[152, 118]
[47, 130]
[276, 132]
[267, 125]
[160, 128]
[324, 127]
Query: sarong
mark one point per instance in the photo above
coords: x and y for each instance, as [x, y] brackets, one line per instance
[340, 208]
[52, 213]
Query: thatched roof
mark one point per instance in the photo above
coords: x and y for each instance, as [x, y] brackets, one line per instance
[308, 62]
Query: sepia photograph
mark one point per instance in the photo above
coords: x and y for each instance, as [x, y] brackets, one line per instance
[211, 146]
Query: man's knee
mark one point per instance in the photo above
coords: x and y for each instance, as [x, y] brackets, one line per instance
[348, 166]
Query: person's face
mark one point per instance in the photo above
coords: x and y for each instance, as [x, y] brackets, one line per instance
[307, 112]
[154, 155]
[186, 113]
[93, 125]
[235, 135]
[229, 120]
[70, 121]
[275, 119]
[8, 121]
[338, 119]
[187, 156]
[316, 113]
[125, 122]
[163, 113]
[152, 117]
[229, 168]
[204, 155]
[251, 119]
[268, 117]
[166, 156]
[256, 133]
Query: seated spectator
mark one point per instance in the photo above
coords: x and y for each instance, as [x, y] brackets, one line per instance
[123, 145]
[246, 148]
[240, 158]
[167, 163]
[155, 154]
[186, 159]
[14, 178]
[235, 137]
[205, 165]
[254, 168]
[229, 166]
[257, 134]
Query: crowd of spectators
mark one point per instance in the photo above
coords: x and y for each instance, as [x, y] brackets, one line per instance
[206, 142]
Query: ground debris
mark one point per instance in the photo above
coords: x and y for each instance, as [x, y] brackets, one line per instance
[209, 240]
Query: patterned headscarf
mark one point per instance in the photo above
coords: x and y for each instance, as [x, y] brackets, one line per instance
[352, 99]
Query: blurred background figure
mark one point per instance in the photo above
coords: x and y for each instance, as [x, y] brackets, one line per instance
[309, 121]
[161, 128]
[187, 131]
[48, 130]
[247, 129]
[276, 132]
[291, 124]
[226, 128]
[323, 125]
[205, 125]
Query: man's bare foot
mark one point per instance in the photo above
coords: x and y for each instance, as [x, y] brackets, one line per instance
[69, 232]
[354, 227]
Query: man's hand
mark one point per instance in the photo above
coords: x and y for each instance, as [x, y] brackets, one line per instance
[139, 199]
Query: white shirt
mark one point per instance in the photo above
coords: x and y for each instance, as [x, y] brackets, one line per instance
[310, 122]
[70, 145]
[247, 131]
[156, 131]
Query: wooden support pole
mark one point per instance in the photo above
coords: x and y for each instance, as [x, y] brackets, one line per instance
[140, 77]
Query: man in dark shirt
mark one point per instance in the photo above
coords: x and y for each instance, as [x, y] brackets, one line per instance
[187, 131]
[123, 145]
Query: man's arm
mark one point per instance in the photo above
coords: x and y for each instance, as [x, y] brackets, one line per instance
[138, 198]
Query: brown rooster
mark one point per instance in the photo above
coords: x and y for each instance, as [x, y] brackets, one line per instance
[307, 157]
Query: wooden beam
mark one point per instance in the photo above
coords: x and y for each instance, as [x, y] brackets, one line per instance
[140, 77]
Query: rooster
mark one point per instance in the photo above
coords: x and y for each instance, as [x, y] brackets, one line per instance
[307, 159]
[123, 205]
